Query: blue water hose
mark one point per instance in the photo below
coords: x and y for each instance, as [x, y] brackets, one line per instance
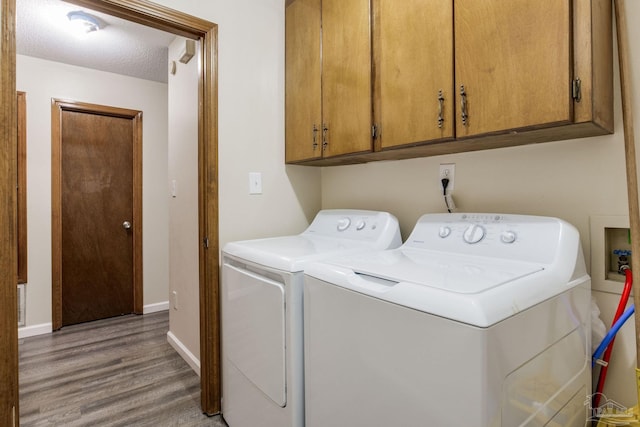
[611, 334]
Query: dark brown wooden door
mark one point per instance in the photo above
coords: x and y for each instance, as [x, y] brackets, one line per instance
[96, 176]
[97, 198]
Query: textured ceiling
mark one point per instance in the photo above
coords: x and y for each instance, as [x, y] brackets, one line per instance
[120, 46]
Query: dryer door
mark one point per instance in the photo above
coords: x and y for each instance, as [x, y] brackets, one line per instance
[254, 334]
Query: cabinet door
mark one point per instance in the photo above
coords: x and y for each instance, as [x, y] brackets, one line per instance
[413, 53]
[303, 107]
[346, 76]
[513, 59]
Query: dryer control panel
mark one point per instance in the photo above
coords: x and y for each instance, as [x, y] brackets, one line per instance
[359, 225]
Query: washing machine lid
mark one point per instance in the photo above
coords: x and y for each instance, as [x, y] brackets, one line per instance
[459, 274]
[292, 253]
[479, 291]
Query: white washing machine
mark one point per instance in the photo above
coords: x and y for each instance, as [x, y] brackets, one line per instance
[262, 342]
[477, 320]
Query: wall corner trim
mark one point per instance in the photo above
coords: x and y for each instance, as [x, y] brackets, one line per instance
[184, 352]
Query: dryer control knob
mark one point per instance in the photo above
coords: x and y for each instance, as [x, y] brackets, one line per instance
[343, 223]
[444, 232]
[473, 234]
[361, 224]
[508, 237]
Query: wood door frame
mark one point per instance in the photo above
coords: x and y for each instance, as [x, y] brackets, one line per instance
[153, 15]
[22, 187]
[9, 400]
[58, 106]
[156, 16]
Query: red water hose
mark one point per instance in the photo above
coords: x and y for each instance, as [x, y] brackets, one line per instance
[607, 354]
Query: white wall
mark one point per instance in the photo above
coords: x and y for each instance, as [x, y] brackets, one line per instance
[43, 80]
[250, 136]
[251, 121]
[573, 180]
[184, 238]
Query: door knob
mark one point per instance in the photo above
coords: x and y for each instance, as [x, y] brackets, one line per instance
[126, 225]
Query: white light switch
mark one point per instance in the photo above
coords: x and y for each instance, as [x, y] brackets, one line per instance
[174, 188]
[255, 183]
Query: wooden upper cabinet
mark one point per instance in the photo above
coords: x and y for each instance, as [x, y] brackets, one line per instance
[413, 60]
[448, 76]
[328, 79]
[513, 65]
[346, 77]
[303, 102]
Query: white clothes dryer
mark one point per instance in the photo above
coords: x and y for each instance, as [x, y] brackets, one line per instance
[477, 320]
[262, 332]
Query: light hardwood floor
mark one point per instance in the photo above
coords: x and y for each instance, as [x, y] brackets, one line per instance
[113, 372]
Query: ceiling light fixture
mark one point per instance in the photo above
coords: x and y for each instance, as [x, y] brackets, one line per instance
[84, 22]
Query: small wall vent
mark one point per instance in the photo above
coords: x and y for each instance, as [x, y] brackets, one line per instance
[21, 305]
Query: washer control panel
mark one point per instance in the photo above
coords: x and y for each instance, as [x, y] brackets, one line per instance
[475, 229]
[495, 235]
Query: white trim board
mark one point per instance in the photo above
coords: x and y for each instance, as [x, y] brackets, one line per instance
[47, 328]
[184, 352]
[154, 308]
[34, 330]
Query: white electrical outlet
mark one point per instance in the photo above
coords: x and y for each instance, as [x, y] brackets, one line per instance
[174, 298]
[447, 170]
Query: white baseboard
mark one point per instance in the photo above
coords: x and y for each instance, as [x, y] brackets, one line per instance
[33, 330]
[47, 328]
[154, 308]
[184, 352]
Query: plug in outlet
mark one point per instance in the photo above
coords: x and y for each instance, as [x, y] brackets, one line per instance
[447, 170]
[174, 302]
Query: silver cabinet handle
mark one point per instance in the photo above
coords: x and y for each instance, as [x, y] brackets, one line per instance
[315, 137]
[325, 129]
[440, 104]
[126, 225]
[463, 106]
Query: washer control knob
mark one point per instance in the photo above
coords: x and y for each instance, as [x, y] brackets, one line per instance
[361, 224]
[473, 234]
[444, 231]
[508, 236]
[343, 223]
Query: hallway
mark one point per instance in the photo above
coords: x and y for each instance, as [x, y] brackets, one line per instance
[114, 372]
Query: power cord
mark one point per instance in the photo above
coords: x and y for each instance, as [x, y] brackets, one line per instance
[445, 184]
